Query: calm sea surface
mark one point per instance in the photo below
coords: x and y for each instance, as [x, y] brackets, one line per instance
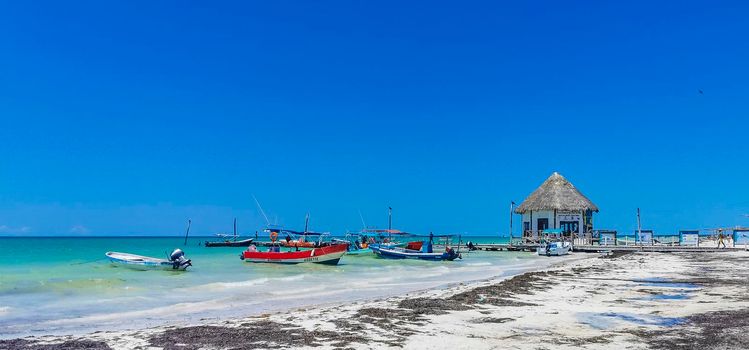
[64, 285]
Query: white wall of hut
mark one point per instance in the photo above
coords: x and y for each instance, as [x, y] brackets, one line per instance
[555, 221]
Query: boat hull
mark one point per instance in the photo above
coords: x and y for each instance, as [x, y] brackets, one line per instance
[139, 262]
[297, 244]
[242, 243]
[329, 255]
[362, 251]
[401, 253]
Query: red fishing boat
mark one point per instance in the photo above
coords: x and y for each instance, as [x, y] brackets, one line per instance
[329, 255]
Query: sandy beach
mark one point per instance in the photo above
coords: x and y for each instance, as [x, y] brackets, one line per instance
[529, 175]
[628, 301]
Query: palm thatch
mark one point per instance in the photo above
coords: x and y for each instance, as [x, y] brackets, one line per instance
[556, 193]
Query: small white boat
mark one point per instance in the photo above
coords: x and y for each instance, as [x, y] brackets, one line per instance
[554, 248]
[177, 261]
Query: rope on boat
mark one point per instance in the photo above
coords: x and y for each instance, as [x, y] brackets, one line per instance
[88, 262]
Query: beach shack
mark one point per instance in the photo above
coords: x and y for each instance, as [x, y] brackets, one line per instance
[689, 238]
[644, 237]
[556, 204]
[740, 236]
[604, 237]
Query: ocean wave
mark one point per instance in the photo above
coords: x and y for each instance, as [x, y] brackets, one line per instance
[303, 291]
[249, 283]
[433, 272]
[185, 308]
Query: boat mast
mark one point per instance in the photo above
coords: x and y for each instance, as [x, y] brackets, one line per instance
[363, 224]
[390, 219]
[306, 223]
[267, 222]
[235, 229]
[188, 230]
[639, 227]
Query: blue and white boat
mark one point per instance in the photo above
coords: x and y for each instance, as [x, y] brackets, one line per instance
[554, 248]
[359, 242]
[426, 251]
[553, 243]
[177, 261]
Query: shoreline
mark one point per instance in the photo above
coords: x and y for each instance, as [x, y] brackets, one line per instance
[512, 271]
[225, 307]
[629, 300]
[83, 298]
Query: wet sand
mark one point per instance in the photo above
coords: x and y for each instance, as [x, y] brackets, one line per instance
[624, 301]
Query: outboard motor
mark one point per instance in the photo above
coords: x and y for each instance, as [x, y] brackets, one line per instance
[178, 260]
[452, 255]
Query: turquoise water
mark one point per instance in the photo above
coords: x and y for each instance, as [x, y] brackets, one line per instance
[64, 285]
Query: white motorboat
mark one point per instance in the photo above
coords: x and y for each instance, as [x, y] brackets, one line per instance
[177, 261]
[554, 248]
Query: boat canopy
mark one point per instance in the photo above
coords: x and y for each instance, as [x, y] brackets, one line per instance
[391, 232]
[298, 233]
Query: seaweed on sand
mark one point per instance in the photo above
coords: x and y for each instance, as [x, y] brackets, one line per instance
[257, 335]
[432, 306]
[25, 344]
[503, 293]
[712, 330]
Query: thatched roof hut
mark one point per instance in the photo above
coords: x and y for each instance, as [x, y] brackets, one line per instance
[556, 193]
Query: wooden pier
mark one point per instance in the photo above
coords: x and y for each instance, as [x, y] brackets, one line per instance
[531, 247]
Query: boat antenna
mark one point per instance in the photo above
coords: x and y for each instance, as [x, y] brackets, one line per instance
[639, 227]
[189, 222]
[364, 225]
[306, 223]
[390, 218]
[267, 222]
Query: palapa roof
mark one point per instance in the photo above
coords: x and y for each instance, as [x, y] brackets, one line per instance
[556, 193]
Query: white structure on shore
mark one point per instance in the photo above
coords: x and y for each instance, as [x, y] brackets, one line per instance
[556, 204]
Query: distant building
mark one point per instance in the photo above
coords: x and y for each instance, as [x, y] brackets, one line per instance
[556, 204]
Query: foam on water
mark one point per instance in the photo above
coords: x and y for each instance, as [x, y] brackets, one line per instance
[244, 284]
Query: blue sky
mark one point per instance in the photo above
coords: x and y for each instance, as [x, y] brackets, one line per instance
[130, 117]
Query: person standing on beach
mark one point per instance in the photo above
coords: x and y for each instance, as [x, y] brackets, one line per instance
[720, 238]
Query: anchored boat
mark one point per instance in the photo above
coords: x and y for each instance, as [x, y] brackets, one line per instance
[321, 252]
[230, 243]
[423, 250]
[554, 248]
[353, 246]
[177, 261]
[551, 246]
[358, 243]
[300, 241]
[329, 255]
